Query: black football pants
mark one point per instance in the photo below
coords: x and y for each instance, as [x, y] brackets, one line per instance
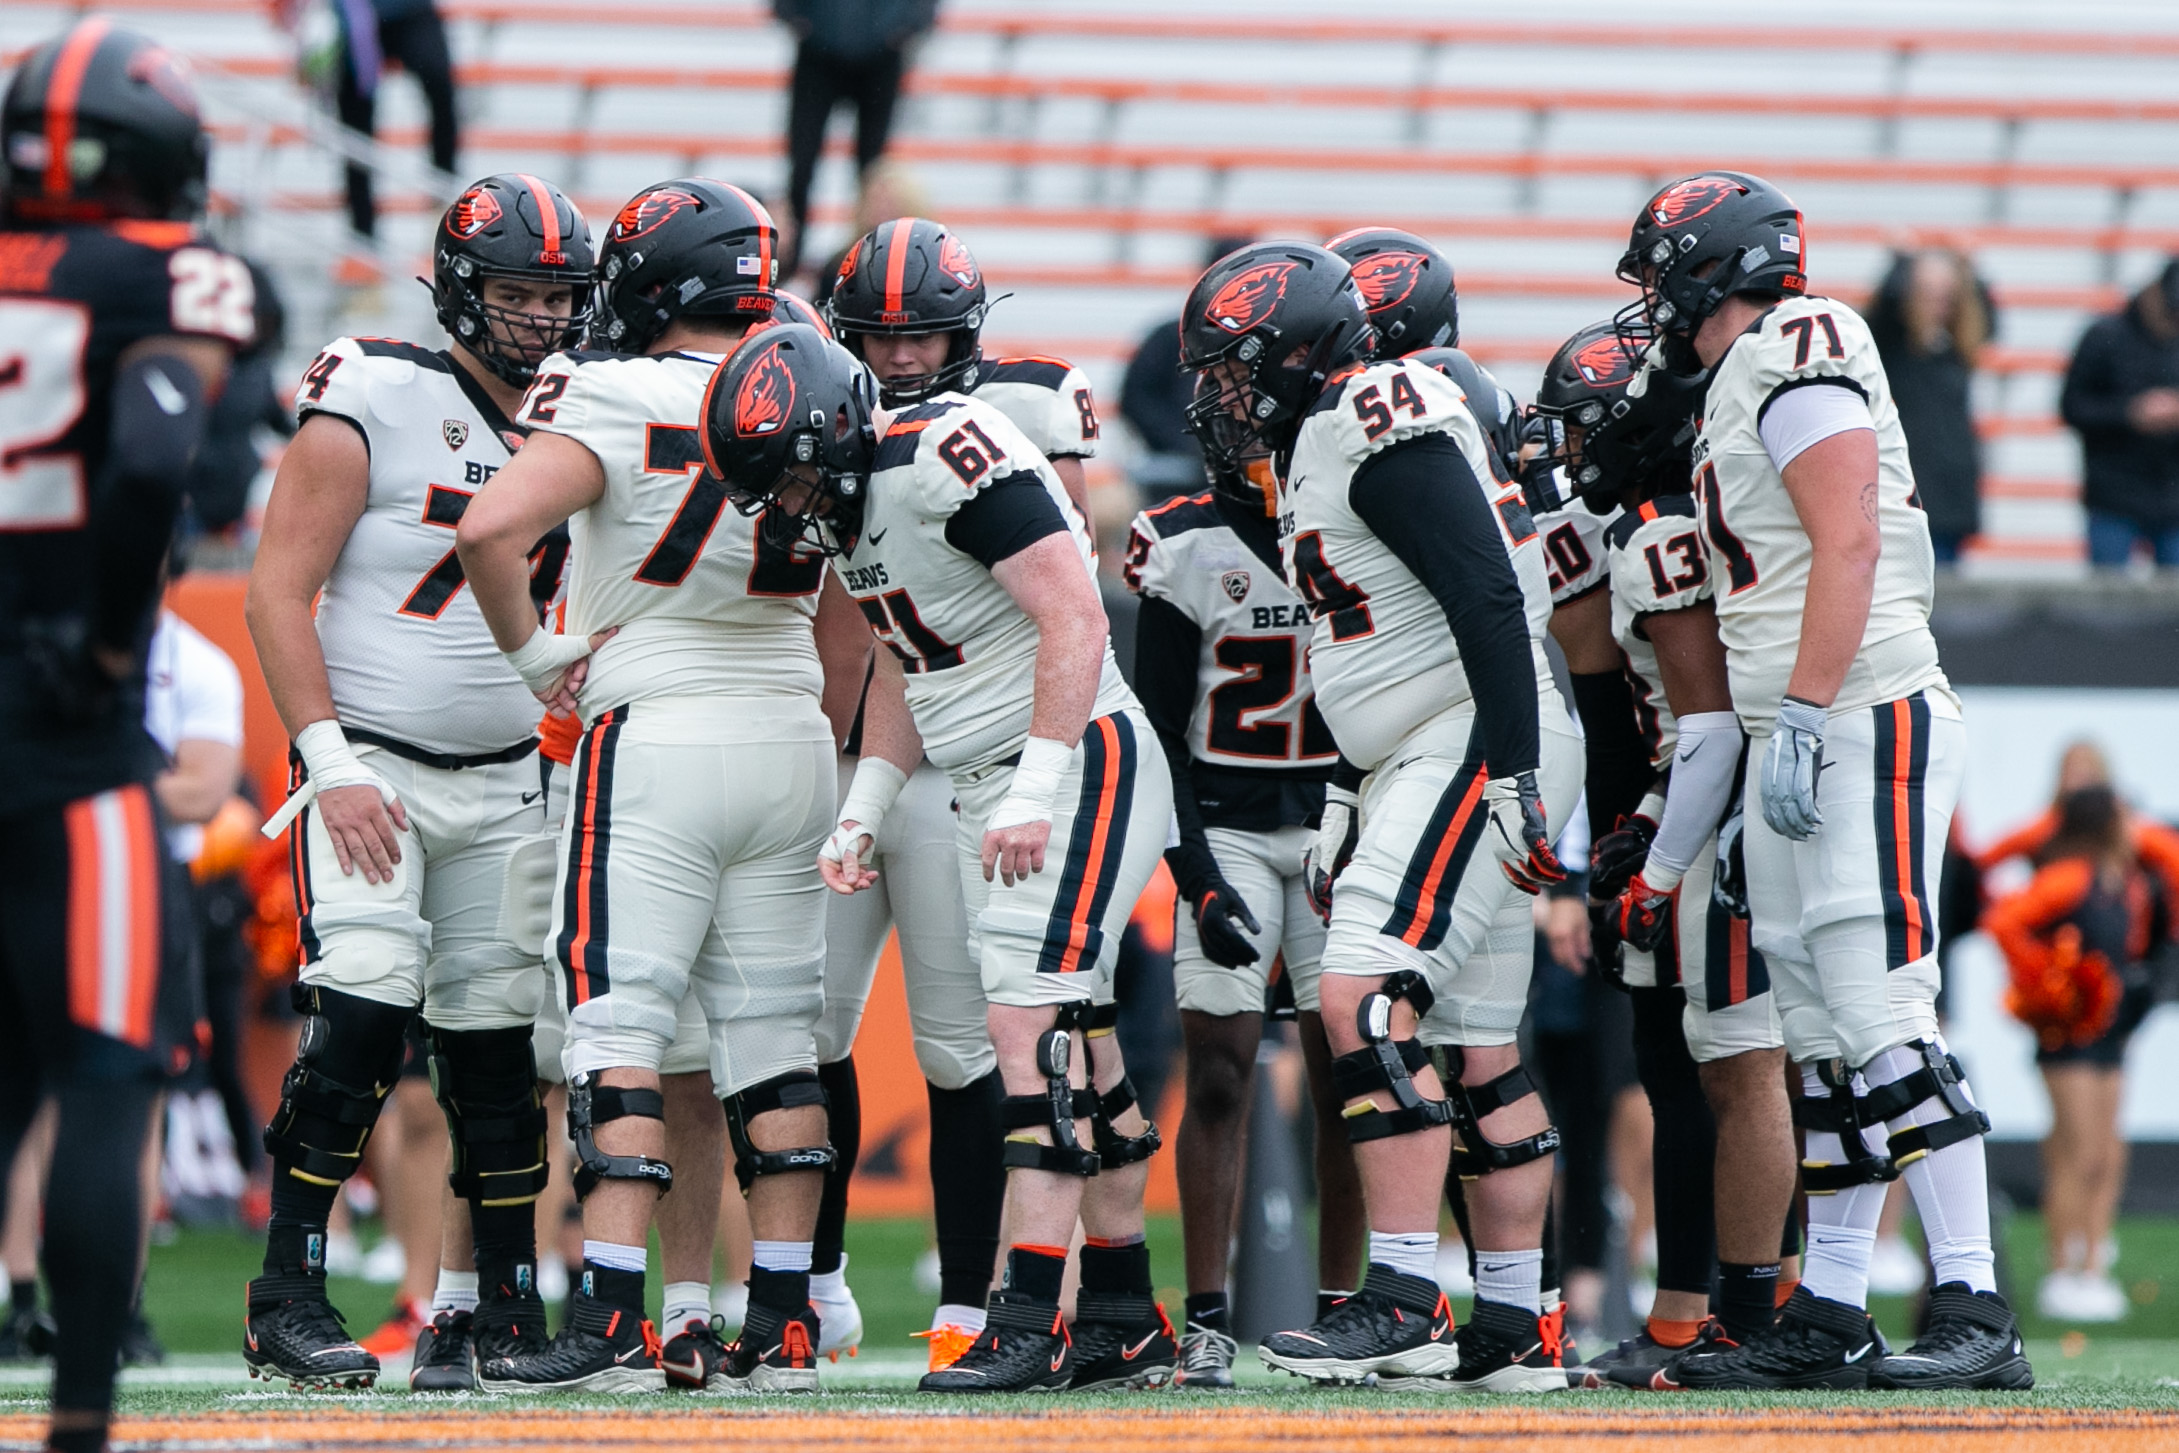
[418, 42]
[821, 82]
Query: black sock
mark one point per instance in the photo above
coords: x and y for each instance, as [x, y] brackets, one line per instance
[23, 1295]
[1123, 1269]
[786, 1292]
[91, 1210]
[1207, 1309]
[968, 1186]
[1746, 1297]
[506, 1248]
[613, 1287]
[295, 1236]
[844, 1124]
[1035, 1272]
[77, 1440]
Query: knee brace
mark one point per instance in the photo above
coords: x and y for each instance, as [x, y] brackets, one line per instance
[1114, 1150]
[789, 1091]
[1384, 1063]
[1475, 1155]
[486, 1082]
[1847, 1115]
[345, 1063]
[1057, 1109]
[589, 1105]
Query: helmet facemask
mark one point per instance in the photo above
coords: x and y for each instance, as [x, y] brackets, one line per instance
[510, 343]
[964, 351]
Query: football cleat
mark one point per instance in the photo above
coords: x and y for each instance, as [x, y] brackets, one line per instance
[694, 1355]
[140, 1345]
[1206, 1358]
[1122, 1342]
[292, 1333]
[1396, 1324]
[840, 1318]
[1643, 1362]
[1024, 1347]
[947, 1341]
[509, 1325]
[27, 1333]
[445, 1355]
[601, 1349]
[1815, 1342]
[775, 1352]
[1972, 1342]
[1503, 1348]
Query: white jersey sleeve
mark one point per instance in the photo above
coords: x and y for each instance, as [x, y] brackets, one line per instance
[1573, 550]
[1048, 399]
[1658, 563]
[1760, 553]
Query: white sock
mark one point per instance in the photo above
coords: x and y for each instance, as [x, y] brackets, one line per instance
[968, 1319]
[456, 1291]
[1841, 1227]
[830, 1286]
[1414, 1252]
[1514, 1278]
[783, 1255]
[614, 1256]
[1951, 1186]
[686, 1302]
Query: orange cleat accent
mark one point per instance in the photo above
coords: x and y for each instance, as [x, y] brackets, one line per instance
[947, 1342]
[396, 1336]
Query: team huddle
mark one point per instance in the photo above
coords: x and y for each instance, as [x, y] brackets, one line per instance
[807, 600]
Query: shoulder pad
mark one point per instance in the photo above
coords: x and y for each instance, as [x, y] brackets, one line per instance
[1659, 561]
[1334, 390]
[1627, 522]
[1804, 340]
[415, 353]
[1047, 372]
[1181, 514]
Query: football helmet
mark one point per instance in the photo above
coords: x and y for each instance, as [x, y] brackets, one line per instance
[512, 225]
[912, 276]
[794, 308]
[1406, 284]
[1291, 316]
[1607, 433]
[685, 248]
[1703, 239]
[788, 426]
[1496, 411]
[1246, 479]
[101, 123]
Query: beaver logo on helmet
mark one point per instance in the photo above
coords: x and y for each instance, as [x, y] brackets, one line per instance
[648, 213]
[158, 69]
[1604, 362]
[1248, 299]
[1687, 200]
[762, 402]
[477, 210]
[1387, 278]
[954, 261]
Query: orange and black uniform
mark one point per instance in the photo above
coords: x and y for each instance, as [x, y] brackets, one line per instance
[2120, 921]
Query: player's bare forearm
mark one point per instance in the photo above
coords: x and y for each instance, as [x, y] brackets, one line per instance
[1583, 629]
[1075, 480]
[843, 649]
[539, 488]
[201, 780]
[1833, 485]
[889, 731]
[317, 496]
[1048, 582]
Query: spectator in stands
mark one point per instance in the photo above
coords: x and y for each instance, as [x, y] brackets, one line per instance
[1154, 400]
[2122, 397]
[852, 51]
[1930, 317]
[374, 32]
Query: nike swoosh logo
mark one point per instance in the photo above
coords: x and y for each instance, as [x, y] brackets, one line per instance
[1059, 1359]
[693, 1371]
[1688, 753]
[636, 1351]
[251, 1338]
[1855, 1355]
[530, 797]
[1129, 1354]
[877, 535]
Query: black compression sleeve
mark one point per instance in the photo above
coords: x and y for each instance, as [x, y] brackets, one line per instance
[158, 422]
[1004, 518]
[1619, 767]
[1345, 774]
[1423, 502]
[1167, 652]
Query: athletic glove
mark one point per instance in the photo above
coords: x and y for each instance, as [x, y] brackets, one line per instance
[1619, 855]
[1644, 915]
[1217, 910]
[1604, 945]
[1729, 888]
[1791, 764]
[1336, 834]
[1516, 813]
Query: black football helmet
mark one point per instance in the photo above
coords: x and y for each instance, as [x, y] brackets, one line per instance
[685, 248]
[512, 225]
[1496, 411]
[1607, 438]
[792, 409]
[1705, 238]
[1406, 284]
[1291, 315]
[794, 308]
[101, 123]
[912, 276]
[1247, 478]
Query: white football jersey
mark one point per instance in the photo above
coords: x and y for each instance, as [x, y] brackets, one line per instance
[406, 649]
[1658, 563]
[1048, 399]
[705, 604]
[1573, 550]
[1254, 705]
[1759, 551]
[1382, 656]
[969, 651]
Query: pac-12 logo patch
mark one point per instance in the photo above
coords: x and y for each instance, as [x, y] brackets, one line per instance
[1249, 298]
[1235, 585]
[762, 401]
[455, 432]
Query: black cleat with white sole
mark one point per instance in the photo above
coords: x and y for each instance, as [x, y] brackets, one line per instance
[509, 1324]
[1972, 1342]
[603, 1348]
[1024, 1347]
[291, 1333]
[1815, 1342]
[1503, 1348]
[1122, 1341]
[1396, 1325]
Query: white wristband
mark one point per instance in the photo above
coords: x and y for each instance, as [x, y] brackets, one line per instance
[870, 795]
[540, 659]
[330, 761]
[1036, 782]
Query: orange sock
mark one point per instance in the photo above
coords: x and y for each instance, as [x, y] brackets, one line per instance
[1785, 1290]
[1672, 1334]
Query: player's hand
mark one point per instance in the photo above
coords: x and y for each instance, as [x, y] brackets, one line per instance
[548, 665]
[1517, 815]
[1618, 856]
[1218, 909]
[1791, 764]
[1336, 834]
[1013, 853]
[1566, 933]
[1644, 915]
[840, 861]
[365, 825]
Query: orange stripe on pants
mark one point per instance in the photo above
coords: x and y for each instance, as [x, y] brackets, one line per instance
[1108, 796]
[113, 913]
[1426, 902]
[1903, 824]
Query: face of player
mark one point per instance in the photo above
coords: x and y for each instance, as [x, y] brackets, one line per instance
[528, 317]
[894, 356]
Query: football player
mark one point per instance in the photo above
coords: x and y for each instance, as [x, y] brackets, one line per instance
[421, 864]
[1822, 572]
[699, 796]
[1426, 582]
[910, 302]
[1708, 1046]
[117, 322]
[973, 567]
[1221, 653]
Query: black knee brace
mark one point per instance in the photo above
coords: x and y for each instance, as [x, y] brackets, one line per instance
[486, 1082]
[1474, 1154]
[1115, 1150]
[1846, 1115]
[1056, 1109]
[589, 1105]
[346, 1062]
[1384, 1063]
[789, 1091]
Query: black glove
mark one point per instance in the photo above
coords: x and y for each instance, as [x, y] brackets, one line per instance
[1604, 945]
[1516, 812]
[1217, 907]
[1618, 856]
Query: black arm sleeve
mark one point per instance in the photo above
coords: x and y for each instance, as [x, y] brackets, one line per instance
[1004, 518]
[1619, 769]
[1168, 648]
[1424, 503]
[158, 423]
[1346, 775]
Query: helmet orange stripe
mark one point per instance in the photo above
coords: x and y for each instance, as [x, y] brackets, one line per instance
[896, 263]
[548, 213]
[62, 90]
[766, 231]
